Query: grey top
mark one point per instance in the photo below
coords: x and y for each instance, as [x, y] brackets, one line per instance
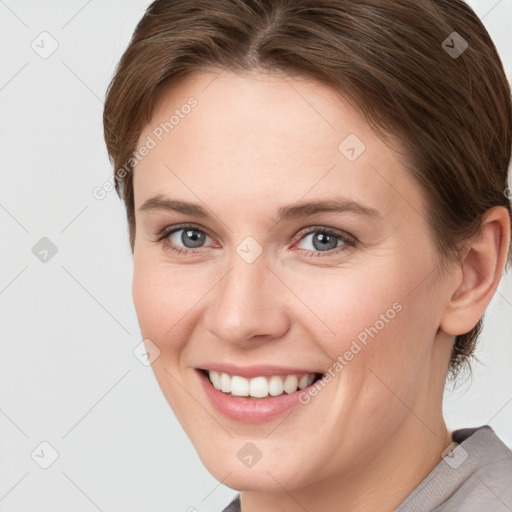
[475, 477]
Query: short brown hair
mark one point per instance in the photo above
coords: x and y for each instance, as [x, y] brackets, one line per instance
[403, 64]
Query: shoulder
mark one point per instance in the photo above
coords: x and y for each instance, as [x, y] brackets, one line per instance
[486, 482]
[475, 476]
[234, 505]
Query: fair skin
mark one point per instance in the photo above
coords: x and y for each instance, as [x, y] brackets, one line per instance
[253, 144]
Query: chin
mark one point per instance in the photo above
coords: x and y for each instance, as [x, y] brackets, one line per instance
[268, 474]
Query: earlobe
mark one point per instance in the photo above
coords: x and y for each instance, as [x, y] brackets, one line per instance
[480, 273]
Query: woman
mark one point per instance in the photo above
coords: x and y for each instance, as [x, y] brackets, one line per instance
[317, 199]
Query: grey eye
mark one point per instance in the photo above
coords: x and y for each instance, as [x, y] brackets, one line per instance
[190, 238]
[321, 241]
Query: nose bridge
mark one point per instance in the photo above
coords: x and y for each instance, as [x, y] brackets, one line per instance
[246, 302]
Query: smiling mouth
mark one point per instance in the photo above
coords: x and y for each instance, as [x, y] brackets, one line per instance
[261, 386]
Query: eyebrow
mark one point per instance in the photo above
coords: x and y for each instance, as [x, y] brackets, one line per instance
[287, 212]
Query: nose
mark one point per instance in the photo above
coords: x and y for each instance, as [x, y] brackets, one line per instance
[249, 302]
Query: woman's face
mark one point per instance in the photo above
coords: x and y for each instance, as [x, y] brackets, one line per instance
[264, 292]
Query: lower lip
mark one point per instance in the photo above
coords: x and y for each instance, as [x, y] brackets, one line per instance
[249, 409]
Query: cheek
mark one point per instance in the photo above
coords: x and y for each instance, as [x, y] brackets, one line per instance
[349, 306]
[377, 323]
[168, 300]
[164, 302]
[160, 299]
[149, 298]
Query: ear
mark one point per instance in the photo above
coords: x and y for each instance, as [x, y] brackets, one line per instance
[480, 273]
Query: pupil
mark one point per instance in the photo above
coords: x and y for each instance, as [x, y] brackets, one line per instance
[195, 236]
[323, 240]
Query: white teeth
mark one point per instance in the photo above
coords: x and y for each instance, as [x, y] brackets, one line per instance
[259, 387]
[290, 384]
[303, 382]
[275, 386]
[225, 382]
[239, 386]
[216, 379]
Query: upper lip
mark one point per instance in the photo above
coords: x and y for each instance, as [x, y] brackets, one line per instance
[258, 370]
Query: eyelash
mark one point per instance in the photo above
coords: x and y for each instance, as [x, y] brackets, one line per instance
[348, 241]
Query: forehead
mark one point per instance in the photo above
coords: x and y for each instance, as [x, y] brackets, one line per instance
[256, 138]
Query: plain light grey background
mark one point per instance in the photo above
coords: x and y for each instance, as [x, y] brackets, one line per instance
[68, 329]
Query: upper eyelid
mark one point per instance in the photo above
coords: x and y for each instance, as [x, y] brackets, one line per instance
[166, 231]
[335, 231]
[302, 233]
